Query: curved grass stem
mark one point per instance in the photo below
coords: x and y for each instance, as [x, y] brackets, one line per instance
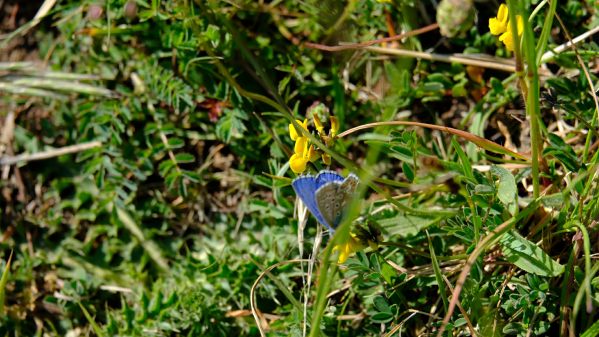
[479, 141]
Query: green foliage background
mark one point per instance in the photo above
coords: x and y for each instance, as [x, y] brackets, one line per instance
[163, 229]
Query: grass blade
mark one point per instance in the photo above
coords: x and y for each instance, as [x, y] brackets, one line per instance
[91, 321]
[150, 246]
[438, 275]
[3, 281]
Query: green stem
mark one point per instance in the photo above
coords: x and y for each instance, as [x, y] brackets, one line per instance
[565, 291]
[542, 44]
[537, 9]
[586, 286]
[533, 109]
[326, 271]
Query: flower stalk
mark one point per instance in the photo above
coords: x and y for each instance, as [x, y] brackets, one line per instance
[532, 93]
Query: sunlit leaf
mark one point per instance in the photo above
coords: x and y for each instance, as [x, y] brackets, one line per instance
[528, 256]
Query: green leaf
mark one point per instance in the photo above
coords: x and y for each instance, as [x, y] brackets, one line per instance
[401, 152]
[185, 158]
[165, 167]
[464, 160]
[266, 209]
[175, 143]
[380, 303]
[212, 33]
[562, 152]
[283, 84]
[382, 317]
[405, 225]
[408, 171]
[555, 200]
[592, 331]
[439, 78]
[513, 328]
[507, 189]
[433, 86]
[496, 85]
[460, 322]
[459, 89]
[231, 124]
[172, 178]
[438, 274]
[192, 176]
[387, 272]
[483, 189]
[3, 281]
[528, 256]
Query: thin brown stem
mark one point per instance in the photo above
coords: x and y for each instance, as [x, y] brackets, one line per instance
[372, 42]
[479, 141]
[26, 157]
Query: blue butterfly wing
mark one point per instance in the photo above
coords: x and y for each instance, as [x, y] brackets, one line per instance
[325, 177]
[332, 197]
[305, 187]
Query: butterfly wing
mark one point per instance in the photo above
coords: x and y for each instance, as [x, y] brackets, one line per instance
[332, 197]
[305, 187]
[350, 183]
[327, 176]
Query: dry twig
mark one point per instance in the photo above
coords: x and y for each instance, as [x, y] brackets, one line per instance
[26, 157]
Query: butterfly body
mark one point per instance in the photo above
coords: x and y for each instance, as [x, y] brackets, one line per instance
[326, 195]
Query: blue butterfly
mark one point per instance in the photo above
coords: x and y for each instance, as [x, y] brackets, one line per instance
[326, 195]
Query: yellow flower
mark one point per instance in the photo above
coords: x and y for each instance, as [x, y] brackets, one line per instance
[348, 248]
[508, 39]
[302, 155]
[312, 154]
[293, 133]
[303, 151]
[326, 159]
[334, 126]
[318, 125]
[499, 24]
[301, 145]
[297, 163]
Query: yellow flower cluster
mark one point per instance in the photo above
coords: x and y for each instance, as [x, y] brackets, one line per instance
[348, 248]
[500, 25]
[303, 151]
[359, 238]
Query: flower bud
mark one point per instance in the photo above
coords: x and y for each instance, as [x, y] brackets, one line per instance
[455, 17]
